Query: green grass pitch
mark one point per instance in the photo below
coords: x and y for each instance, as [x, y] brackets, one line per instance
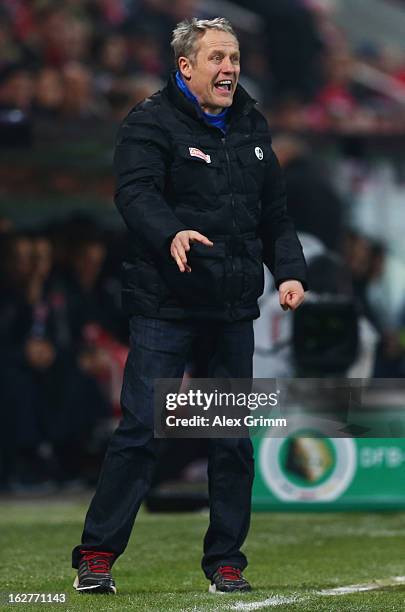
[292, 558]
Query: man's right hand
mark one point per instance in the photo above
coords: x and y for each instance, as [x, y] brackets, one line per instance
[181, 244]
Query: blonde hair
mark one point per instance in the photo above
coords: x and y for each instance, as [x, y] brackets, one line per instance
[188, 32]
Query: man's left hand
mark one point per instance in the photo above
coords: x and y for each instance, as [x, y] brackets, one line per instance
[291, 294]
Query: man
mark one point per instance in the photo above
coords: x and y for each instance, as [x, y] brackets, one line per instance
[201, 193]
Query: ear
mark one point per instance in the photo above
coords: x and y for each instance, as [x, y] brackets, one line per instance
[185, 68]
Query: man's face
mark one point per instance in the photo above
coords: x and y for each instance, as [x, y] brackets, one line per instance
[213, 75]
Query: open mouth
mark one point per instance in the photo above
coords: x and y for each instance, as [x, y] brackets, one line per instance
[224, 85]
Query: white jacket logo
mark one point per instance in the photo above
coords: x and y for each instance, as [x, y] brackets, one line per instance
[197, 153]
[259, 153]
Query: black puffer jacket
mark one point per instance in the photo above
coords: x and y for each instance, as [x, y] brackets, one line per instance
[175, 172]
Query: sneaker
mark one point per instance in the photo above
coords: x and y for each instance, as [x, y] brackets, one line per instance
[228, 579]
[94, 574]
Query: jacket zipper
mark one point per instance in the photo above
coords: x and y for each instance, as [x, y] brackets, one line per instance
[228, 165]
[234, 227]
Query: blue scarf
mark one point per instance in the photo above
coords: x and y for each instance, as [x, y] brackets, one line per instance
[218, 121]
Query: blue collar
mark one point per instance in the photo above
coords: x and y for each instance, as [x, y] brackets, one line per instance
[218, 121]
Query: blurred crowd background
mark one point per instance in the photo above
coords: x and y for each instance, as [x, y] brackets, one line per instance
[85, 60]
[330, 78]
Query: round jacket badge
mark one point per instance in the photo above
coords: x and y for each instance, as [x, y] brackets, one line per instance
[259, 153]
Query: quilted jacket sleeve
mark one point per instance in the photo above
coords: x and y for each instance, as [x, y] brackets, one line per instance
[282, 250]
[140, 165]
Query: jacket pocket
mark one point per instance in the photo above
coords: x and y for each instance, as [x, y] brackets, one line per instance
[253, 272]
[142, 281]
[205, 285]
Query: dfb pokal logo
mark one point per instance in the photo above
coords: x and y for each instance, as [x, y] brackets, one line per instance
[307, 466]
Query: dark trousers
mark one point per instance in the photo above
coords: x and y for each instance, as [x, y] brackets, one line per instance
[159, 349]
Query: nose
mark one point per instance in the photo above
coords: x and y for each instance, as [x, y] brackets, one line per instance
[227, 65]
